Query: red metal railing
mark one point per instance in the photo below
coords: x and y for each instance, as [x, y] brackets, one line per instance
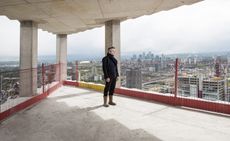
[176, 77]
[176, 98]
[48, 79]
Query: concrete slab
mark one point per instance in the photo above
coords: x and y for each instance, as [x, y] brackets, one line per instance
[73, 16]
[76, 114]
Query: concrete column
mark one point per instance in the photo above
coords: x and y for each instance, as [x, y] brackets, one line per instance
[61, 55]
[112, 38]
[28, 58]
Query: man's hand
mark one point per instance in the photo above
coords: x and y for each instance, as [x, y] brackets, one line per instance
[107, 80]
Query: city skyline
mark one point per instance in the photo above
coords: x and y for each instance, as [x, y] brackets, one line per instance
[195, 28]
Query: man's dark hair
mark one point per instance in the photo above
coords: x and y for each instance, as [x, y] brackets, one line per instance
[112, 47]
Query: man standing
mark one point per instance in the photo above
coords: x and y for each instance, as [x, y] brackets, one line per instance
[109, 65]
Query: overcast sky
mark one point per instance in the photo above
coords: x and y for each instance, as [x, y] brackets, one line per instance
[201, 27]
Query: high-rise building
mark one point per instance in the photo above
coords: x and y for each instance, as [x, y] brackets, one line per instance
[226, 84]
[217, 67]
[227, 95]
[188, 86]
[157, 67]
[214, 89]
[134, 78]
[200, 88]
[134, 57]
[94, 70]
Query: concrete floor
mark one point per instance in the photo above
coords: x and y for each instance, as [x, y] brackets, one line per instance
[74, 114]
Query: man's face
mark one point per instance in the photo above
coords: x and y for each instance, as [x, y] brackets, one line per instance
[112, 51]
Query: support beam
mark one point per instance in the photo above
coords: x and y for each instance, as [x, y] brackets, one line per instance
[28, 58]
[112, 38]
[61, 55]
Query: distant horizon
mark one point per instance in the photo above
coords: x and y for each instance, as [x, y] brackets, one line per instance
[98, 56]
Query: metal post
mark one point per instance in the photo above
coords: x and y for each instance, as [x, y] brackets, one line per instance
[43, 78]
[1, 81]
[1, 95]
[76, 71]
[176, 77]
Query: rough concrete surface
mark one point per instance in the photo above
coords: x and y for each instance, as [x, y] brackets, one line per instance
[74, 114]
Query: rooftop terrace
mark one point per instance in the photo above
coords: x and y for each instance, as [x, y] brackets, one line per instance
[72, 113]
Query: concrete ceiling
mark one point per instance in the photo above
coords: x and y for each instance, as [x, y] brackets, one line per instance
[72, 16]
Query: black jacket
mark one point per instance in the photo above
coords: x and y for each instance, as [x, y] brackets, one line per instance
[109, 66]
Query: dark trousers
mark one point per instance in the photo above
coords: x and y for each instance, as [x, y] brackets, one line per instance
[110, 86]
